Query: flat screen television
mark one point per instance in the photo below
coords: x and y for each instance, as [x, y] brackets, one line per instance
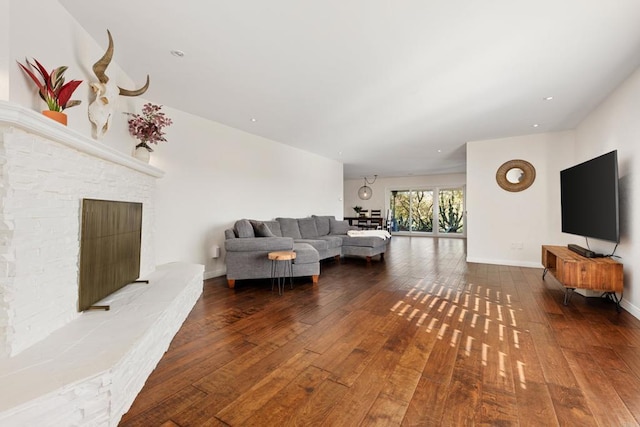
[589, 198]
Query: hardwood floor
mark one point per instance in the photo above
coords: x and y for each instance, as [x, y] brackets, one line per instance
[422, 338]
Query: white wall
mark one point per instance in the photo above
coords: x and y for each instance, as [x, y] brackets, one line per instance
[214, 174]
[382, 186]
[4, 50]
[509, 228]
[614, 125]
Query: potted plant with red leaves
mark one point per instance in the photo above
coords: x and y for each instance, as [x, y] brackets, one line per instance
[52, 89]
[147, 128]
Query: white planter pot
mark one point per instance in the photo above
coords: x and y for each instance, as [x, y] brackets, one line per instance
[142, 154]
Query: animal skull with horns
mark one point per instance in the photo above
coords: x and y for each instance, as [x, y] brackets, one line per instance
[102, 108]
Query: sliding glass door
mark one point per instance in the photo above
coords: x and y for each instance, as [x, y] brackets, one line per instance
[412, 211]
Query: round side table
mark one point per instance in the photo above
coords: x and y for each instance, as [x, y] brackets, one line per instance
[284, 259]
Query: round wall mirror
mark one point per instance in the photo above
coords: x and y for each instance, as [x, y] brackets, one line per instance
[516, 175]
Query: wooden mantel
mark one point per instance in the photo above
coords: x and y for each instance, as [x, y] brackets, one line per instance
[14, 115]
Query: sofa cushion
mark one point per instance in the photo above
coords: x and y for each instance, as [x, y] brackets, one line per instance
[261, 230]
[365, 241]
[308, 228]
[229, 234]
[274, 226]
[244, 228]
[289, 227]
[259, 244]
[339, 227]
[319, 245]
[305, 254]
[323, 224]
[332, 241]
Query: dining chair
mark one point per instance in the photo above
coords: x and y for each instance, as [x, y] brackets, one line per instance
[377, 224]
[363, 221]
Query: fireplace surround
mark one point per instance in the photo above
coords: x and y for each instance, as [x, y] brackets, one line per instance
[46, 170]
[59, 366]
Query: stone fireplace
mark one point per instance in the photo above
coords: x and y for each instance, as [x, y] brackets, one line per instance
[59, 372]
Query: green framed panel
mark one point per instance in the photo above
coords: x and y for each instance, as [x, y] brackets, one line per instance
[110, 240]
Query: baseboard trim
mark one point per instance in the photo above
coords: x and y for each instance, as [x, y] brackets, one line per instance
[210, 274]
[632, 309]
[510, 263]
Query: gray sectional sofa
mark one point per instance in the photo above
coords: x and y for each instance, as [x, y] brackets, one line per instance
[313, 239]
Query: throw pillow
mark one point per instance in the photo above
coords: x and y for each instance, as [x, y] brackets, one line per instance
[274, 227]
[339, 227]
[308, 228]
[262, 230]
[289, 228]
[323, 224]
[244, 228]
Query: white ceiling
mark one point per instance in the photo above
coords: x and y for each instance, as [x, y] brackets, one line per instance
[392, 88]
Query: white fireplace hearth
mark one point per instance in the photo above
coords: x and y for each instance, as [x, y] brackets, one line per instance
[57, 366]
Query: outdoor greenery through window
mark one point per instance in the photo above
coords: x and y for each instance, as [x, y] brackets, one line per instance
[451, 211]
[413, 211]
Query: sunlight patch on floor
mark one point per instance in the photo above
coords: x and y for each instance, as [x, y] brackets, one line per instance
[485, 305]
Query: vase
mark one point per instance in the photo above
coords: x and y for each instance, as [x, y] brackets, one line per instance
[142, 154]
[58, 116]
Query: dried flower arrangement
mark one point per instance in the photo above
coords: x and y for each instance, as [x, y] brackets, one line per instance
[147, 127]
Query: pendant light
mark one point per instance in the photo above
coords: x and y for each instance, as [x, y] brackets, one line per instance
[365, 192]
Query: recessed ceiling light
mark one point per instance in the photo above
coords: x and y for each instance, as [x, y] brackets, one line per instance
[439, 151]
[535, 125]
[253, 120]
[177, 53]
[548, 98]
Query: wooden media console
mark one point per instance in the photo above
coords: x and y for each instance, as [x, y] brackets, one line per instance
[574, 271]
